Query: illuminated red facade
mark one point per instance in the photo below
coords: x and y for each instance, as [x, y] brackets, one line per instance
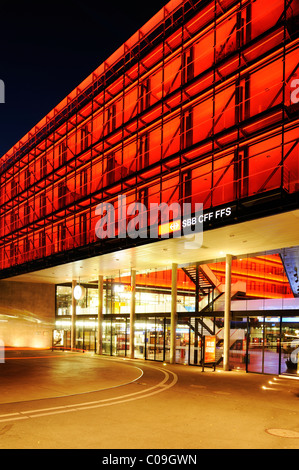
[195, 107]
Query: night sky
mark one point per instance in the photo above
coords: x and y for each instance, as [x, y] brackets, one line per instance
[48, 47]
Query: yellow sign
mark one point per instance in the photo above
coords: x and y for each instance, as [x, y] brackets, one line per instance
[170, 227]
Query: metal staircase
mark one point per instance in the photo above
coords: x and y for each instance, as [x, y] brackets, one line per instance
[208, 290]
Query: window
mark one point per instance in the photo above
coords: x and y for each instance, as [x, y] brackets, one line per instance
[26, 246]
[26, 213]
[27, 178]
[13, 219]
[43, 166]
[83, 181]
[241, 173]
[143, 151]
[61, 234]
[42, 202]
[13, 250]
[42, 243]
[187, 128]
[143, 196]
[62, 190]
[188, 65]
[242, 98]
[244, 22]
[110, 168]
[144, 95]
[110, 118]
[84, 134]
[186, 187]
[83, 228]
[62, 153]
[14, 188]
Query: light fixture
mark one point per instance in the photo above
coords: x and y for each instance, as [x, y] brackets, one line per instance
[79, 292]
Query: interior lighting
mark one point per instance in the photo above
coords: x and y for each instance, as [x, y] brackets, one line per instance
[79, 292]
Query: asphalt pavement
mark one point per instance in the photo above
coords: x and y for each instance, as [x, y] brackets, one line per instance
[64, 400]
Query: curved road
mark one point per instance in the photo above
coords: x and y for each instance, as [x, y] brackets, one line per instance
[53, 400]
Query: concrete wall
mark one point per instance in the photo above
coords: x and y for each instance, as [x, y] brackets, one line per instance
[27, 314]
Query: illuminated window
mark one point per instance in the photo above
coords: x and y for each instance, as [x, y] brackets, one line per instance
[110, 168]
[187, 65]
[242, 99]
[83, 182]
[83, 228]
[241, 173]
[26, 213]
[186, 187]
[143, 151]
[13, 219]
[27, 178]
[110, 119]
[143, 196]
[62, 191]
[144, 95]
[84, 138]
[42, 243]
[187, 128]
[61, 234]
[244, 22]
[12, 250]
[43, 166]
[62, 153]
[42, 204]
[26, 246]
[14, 188]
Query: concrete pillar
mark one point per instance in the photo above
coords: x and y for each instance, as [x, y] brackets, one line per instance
[100, 315]
[73, 325]
[227, 312]
[132, 312]
[173, 319]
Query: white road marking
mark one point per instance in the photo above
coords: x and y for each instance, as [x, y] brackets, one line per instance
[158, 388]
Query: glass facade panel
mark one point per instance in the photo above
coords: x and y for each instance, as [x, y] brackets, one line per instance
[129, 123]
[255, 346]
[238, 347]
[261, 344]
[183, 342]
[155, 338]
[140, 339]
[107, 339]
[271, 345]
[63, 300]
[120, 338]
[290, 345]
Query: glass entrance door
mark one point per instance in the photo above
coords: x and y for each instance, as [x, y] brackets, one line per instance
[119, 337]
[264, 345]
[290, 346]
[255, 345]
[271, 346]
[195, 342]
[89, 340]
[155, 339]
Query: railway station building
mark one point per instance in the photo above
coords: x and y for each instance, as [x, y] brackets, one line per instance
[198, 111]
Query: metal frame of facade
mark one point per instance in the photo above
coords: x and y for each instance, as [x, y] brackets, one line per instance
[195, 106]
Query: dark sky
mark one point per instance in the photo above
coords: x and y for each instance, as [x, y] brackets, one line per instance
[48, 47]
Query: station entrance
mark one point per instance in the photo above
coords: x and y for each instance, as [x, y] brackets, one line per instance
[259, 344]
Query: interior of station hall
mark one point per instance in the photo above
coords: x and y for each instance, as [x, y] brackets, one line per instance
[264, 288]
